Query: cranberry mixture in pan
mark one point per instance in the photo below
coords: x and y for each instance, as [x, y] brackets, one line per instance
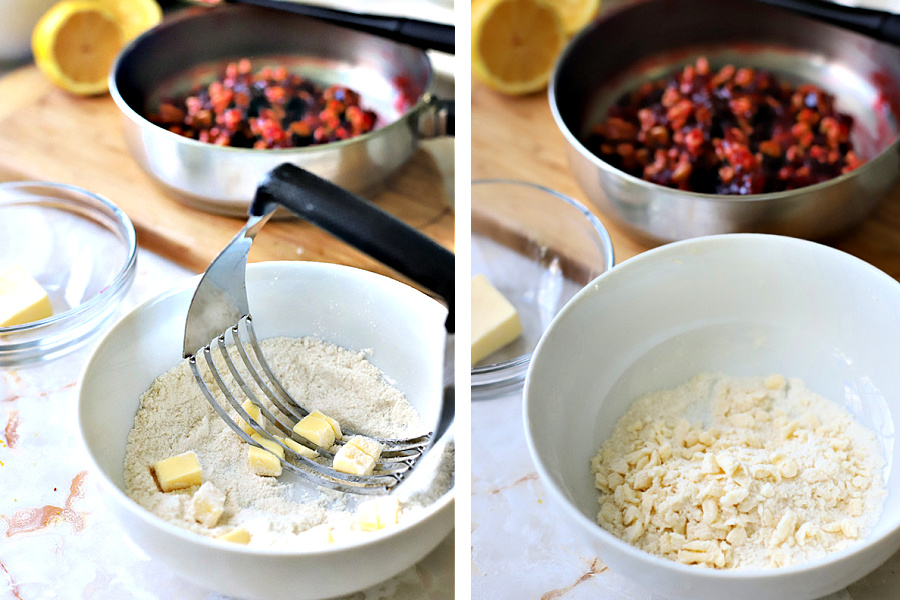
[269, 109]
[735, 131]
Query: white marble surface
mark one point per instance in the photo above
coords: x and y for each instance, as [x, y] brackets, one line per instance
[56, 538]
[520, 548]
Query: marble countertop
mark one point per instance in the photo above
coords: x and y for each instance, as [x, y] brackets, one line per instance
[522, 549]
[56, 538]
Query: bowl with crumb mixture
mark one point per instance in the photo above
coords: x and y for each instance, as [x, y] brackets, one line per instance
[736, 438]
[363, 349]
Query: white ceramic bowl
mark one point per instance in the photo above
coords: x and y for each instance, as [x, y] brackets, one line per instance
[345, 306]
[740, 304]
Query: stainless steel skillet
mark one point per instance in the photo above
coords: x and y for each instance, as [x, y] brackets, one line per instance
[649, 39]
[193, 47]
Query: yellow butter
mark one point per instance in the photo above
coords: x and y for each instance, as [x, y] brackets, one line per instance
[318, 431]
[22, 299]
[352, 460]
[371, 447]
[270, 445]
[378, 513]
[299, 448]
[178, 472]
[208, 504]
[358, 456]
[262, 462]
[495, 322]
[335, 426]
[238, 535]
[255, 414]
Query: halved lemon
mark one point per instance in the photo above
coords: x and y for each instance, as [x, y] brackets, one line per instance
[135, 16]
[76, 41]
[515, 43]
[575, 14]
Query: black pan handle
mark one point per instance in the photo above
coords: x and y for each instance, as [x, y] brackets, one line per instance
[421, 34]
[362, 225]
[876, 24]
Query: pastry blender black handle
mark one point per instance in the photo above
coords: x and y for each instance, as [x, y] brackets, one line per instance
[361, 224]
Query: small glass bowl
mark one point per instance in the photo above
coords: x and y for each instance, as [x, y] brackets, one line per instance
[538, 248]
[81, 248]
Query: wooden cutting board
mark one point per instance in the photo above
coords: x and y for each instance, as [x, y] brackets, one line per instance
[48, 134]
[517, 138]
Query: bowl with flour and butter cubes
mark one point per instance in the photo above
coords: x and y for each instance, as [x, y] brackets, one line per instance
[363, 353]
[533, 249]
[716, 417]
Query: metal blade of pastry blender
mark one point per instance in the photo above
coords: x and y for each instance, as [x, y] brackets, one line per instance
[220, 299]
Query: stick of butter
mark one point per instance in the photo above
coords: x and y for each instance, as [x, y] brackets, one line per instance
[178, 472]
[495, 322]
[22, 299]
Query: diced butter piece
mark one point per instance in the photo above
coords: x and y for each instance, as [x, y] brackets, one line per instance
[378, 513]
[358, 456]
[318, 431]
[268, 444]
[335, 426]
[299, 448]
[319, 535]
[262, 462]
[371, 447]
[495, 322]
[178, 472]
[352, 460]
[208, 504]
[22, 299]
[238, 535]
[255, 414]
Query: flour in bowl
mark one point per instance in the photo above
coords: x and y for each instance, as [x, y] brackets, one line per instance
[175, 418]
[768, 475]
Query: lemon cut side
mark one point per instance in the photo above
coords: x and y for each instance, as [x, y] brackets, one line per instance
[515, 44]
[76, 41]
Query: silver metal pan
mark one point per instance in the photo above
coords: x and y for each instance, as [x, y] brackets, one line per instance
[193, 48]
[652, 38]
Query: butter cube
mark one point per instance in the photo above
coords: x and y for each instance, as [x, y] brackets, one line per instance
[318, 431]
[378, 513]
[358, 456]
[270, 445]
[371, 447]
[262, 462]
[319, 535]
[255, 414]
[178, 472]
[238, 535]
[352, 460]
[495, 322]
[22, 299]
[207, 504]
[334, 424]
[299, 448]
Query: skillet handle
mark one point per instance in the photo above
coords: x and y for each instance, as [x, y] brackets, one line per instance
[362, 225]
[876, 24]
[424, 35]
